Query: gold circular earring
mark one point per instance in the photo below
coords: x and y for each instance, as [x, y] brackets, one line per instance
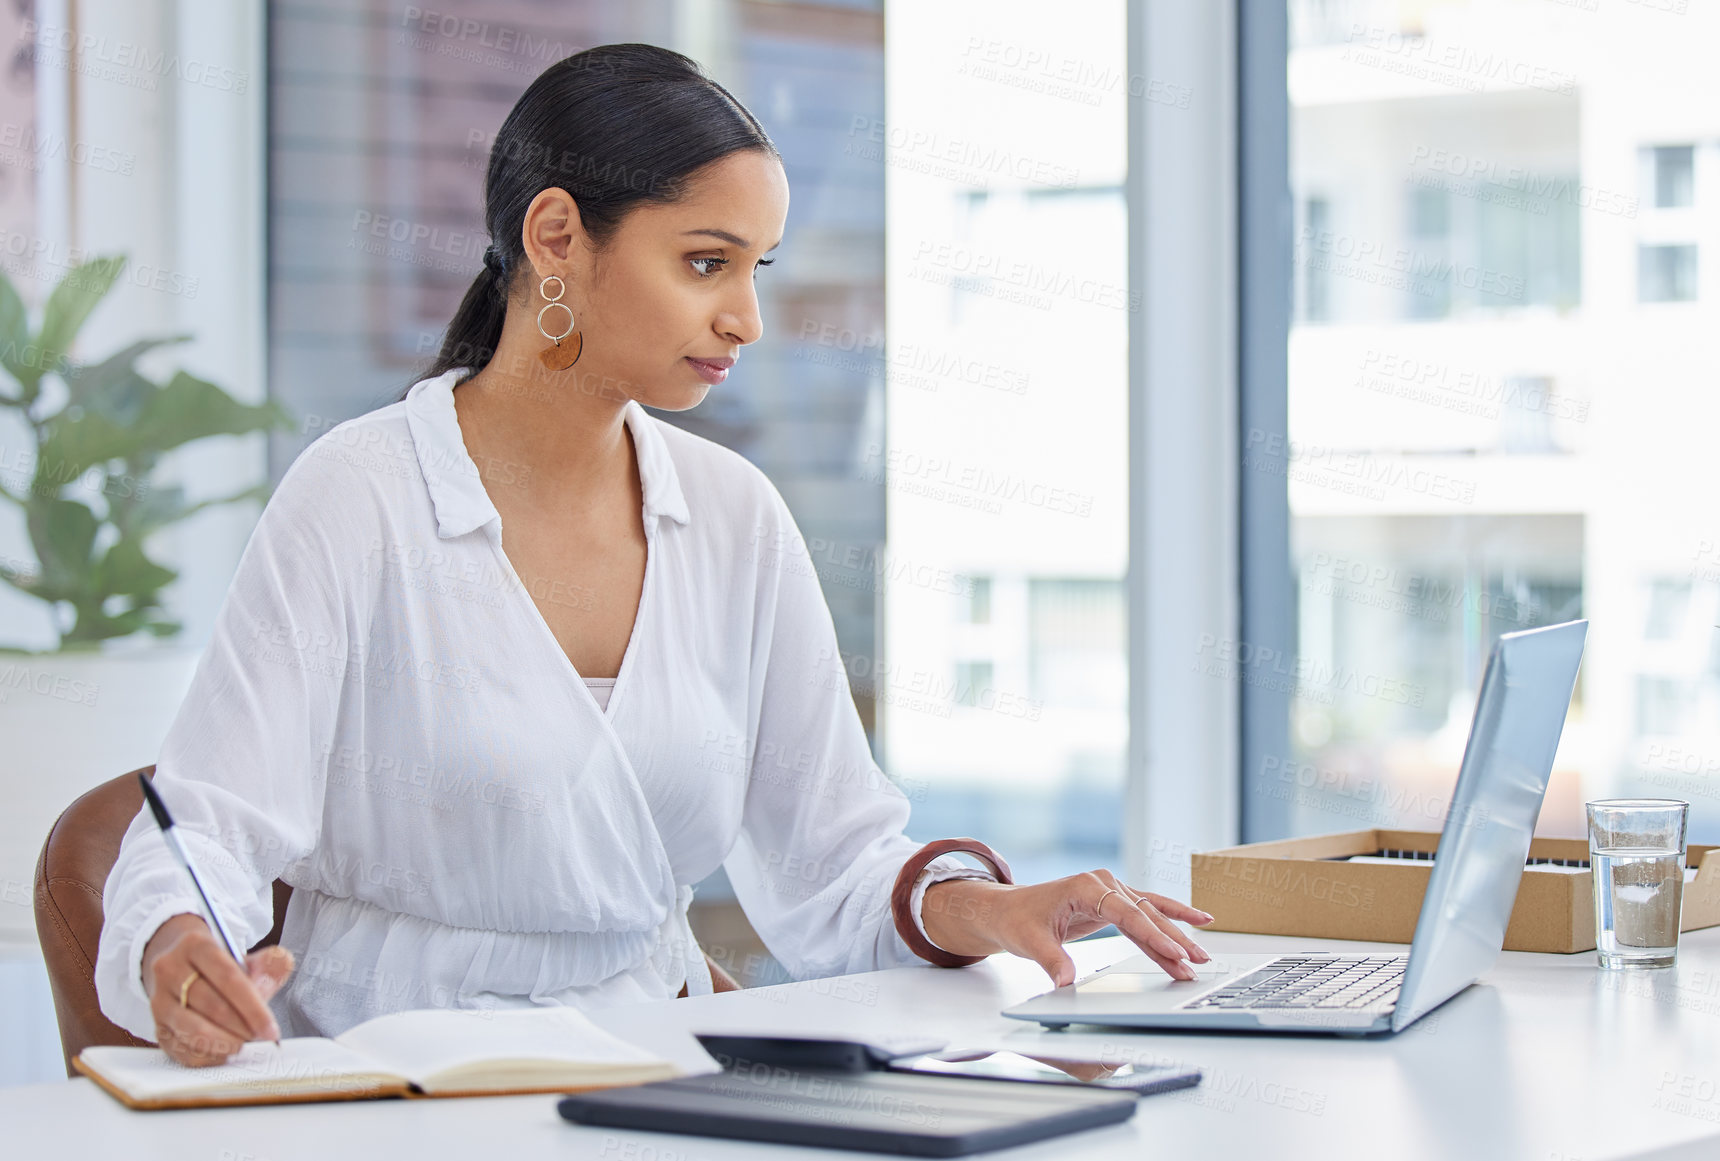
[560, 355]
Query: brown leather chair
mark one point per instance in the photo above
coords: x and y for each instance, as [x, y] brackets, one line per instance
[81, 849]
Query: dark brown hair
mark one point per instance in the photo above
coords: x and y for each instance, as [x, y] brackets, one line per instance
[616, 126]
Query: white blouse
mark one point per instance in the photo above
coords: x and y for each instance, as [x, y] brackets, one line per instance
[383, 719]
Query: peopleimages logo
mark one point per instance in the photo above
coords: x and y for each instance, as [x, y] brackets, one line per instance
[124, 61]
[1449, 63]
[28, 679]
[1361, 472]
[1540, 189]
[1464, 390]
[1371, 260]
[920, 365]
[28, 144]
[1281, 880]
[1224, 657]
[941, 478]
[1400, 590]
[894, 682]
[977, 267]
[931, 151]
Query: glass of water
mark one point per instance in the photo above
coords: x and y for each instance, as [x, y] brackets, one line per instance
[1636, 856]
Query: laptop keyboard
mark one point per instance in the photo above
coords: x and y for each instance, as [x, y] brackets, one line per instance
[1327, 981]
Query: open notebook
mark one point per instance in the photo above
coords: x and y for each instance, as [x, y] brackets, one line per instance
[427, 1052]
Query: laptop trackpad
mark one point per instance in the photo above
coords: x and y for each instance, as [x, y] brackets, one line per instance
[1138, 974]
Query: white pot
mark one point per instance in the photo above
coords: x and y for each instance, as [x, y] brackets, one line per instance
[69, 721]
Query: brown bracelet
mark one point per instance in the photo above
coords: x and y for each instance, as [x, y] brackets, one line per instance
[904, 890]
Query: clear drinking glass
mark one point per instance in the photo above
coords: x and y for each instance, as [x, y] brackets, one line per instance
[1636, 857]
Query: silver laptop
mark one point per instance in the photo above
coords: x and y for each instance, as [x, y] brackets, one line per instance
[1483, 847]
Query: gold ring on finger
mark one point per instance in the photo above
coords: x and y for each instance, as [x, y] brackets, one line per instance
[186, 986]
[1098, 907]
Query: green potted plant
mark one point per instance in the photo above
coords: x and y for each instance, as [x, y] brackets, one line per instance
[87, 491]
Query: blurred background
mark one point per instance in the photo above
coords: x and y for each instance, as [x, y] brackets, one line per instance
[1493, 228]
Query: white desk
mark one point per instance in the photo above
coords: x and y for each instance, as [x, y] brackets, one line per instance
[1539, 1062]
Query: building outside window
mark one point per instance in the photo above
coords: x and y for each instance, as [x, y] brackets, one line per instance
[1513, 375]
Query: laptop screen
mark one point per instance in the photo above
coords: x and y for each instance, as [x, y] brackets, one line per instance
[1519, 715]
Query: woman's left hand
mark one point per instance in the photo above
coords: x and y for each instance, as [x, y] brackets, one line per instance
[979, 917]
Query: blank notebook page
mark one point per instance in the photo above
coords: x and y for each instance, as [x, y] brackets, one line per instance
[148, 1074]
[427, 1041]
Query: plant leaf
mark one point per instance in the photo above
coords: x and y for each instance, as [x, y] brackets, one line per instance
[160, 505]
[190, 408]
[73, 446]
[70, 303]
[14, 334]
[113, 386]
[94, 625]
[126, 571]
[257, 492]
[62, 533]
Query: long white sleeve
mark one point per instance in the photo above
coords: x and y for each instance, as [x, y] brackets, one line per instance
[822, 830]
[239, 766]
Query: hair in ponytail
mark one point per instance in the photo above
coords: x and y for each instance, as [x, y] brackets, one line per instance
[616, 126]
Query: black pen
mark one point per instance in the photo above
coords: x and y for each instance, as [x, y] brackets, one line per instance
[168, 835]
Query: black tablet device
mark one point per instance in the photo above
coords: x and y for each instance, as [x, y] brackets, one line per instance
[887, 1112]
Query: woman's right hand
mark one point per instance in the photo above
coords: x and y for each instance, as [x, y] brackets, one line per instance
[225, 1006]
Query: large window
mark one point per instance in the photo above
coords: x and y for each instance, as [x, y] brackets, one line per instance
[1003, 674]
[1500, 407]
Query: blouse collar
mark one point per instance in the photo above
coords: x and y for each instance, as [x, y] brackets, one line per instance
[457, 491]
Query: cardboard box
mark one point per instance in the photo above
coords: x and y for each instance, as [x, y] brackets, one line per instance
[1304, 887]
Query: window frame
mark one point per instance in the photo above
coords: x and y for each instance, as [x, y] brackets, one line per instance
[1265, 278]
[1188, 537]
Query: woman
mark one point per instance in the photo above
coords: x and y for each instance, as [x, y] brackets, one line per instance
[509, 664]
